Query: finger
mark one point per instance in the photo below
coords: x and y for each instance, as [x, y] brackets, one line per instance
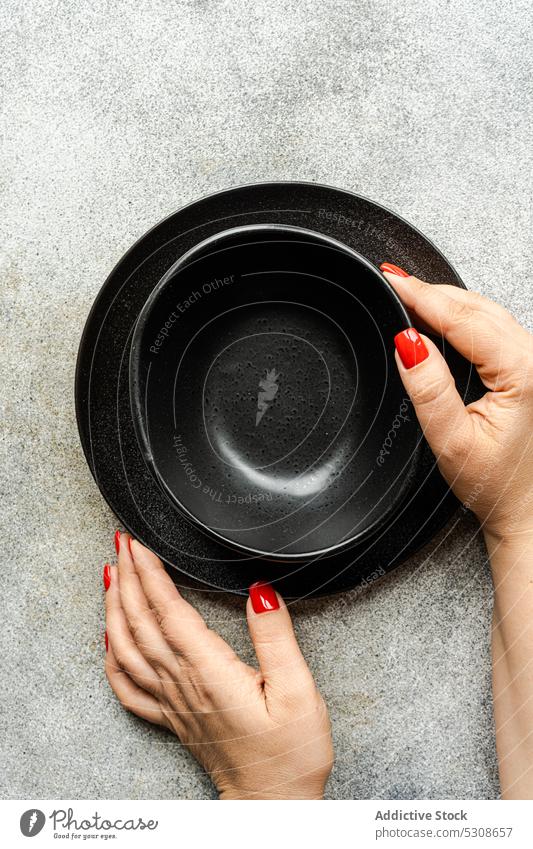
[181, 625]
[130, 695]
[478, 333]
[281, 662]
[476, 300]
[142, 623]
[495, 312]
[443, 417]
[402, 281]
[128, 656]
[399, 278]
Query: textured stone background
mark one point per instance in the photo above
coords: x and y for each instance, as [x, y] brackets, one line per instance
[115, 114]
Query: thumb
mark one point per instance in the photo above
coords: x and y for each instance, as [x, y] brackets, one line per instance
[439, 407]
[281, 662]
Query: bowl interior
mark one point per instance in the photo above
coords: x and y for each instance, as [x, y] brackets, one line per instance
[265, 394]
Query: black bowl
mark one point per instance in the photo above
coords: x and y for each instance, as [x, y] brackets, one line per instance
[265, 395]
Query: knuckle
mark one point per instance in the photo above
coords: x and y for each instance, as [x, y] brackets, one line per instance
[121, 660]
[109, 671]
[165, 664]
[172, 623]
[152, 684]
[160, 669]
[160, 614]
[169, 719]
[418, 285]
[459, 312]
[135, 625]
[431, 388]
[167, 623]
[419, 290]
[454, 452]
[459, 449]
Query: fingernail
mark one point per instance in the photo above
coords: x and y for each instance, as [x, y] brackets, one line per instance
[107, 576]
[393, 269]
[106, 641]
[117, 541]
[410, 347]
[263, 597]
[129, 546]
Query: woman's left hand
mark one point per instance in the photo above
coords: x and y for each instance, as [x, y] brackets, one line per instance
[259, 734]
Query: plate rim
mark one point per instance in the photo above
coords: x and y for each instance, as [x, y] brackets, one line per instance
[201, 583]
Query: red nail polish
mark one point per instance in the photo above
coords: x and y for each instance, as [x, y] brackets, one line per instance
[393, 269]
[106, 642]
[107, 576]
[410, 347]
[117, 541]
[129, 546]
[263, 598]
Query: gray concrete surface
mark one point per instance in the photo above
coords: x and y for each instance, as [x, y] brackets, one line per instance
[116, 114]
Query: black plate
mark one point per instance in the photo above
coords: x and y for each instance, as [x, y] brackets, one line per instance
[103, 403]
[263, 385]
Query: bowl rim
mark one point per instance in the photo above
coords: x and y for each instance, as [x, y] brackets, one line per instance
[188, 258]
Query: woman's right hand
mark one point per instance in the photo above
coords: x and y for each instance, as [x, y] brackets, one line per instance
[484, 449]
[484, 452]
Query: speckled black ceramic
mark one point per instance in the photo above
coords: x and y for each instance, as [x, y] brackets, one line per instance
[103, 402]
[263, 389]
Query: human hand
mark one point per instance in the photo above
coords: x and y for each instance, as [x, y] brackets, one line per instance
[259, 734]
[484, 449]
